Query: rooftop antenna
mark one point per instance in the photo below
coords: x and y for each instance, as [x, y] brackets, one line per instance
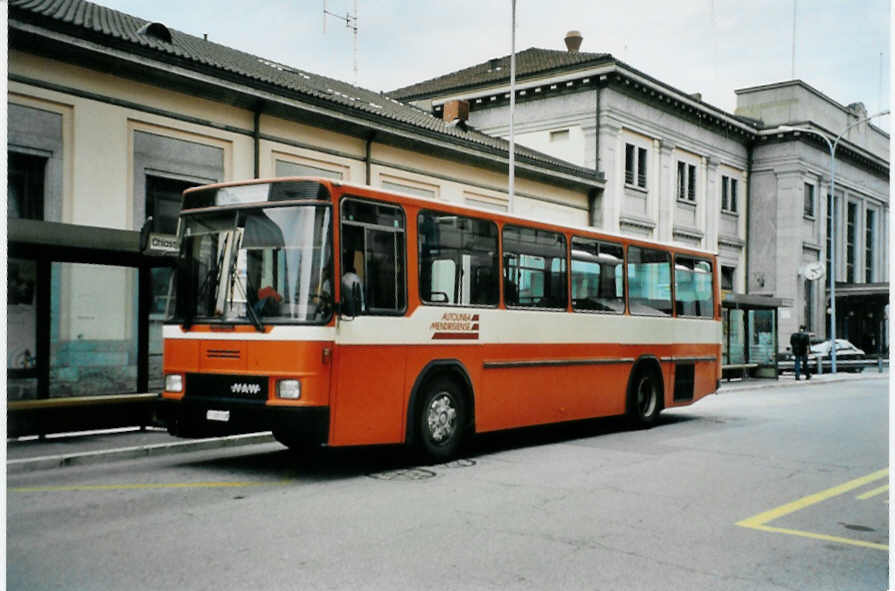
[795, 4]
[511, 189]
[350, 21]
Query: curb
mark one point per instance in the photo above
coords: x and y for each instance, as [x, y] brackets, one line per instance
[757, 383]
[129, 453]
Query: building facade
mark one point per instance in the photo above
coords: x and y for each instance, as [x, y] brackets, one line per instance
[793, 211]
[111, 117]
[677, 169]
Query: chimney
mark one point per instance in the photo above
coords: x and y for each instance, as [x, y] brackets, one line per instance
[456, 111]
[858, 109]
[573, 41]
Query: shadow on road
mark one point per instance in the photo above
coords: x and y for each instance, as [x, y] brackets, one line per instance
[327, 464]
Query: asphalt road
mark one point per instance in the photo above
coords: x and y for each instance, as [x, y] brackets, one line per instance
[775, 488]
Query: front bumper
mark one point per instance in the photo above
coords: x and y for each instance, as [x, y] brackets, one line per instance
[188, 417]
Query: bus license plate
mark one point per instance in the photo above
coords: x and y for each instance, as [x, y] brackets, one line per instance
[218, 415]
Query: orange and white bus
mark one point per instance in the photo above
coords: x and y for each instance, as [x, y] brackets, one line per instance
[343, 315]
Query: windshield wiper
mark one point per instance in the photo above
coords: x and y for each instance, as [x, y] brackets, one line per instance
[250, 310]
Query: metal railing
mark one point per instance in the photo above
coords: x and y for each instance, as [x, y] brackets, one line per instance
[822, 366]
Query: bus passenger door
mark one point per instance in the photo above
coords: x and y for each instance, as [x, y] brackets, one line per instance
[367, 402]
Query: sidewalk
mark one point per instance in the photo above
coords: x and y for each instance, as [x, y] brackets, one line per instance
[788, 379]
[28, 454]
[69, 449]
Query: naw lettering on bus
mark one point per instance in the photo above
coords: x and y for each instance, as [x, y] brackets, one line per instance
[456, 325]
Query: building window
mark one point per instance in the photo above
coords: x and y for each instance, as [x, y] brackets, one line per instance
[809, 305]
[286, 168]
[850, 238]
[409, 189]
[163, 198]
[635, 166]
[869, 229]
[809, 201]
[686, 182]
[728, 194]
[727, 274]
[829, 241]
[560, 135]
[25, 186]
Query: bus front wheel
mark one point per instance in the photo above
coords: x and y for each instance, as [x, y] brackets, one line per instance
[644, 400]
[441, 420]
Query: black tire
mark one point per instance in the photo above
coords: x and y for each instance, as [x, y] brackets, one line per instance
[644, 398]
[440, 420]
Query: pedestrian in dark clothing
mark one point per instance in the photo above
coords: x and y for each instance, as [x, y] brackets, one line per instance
[799, 342]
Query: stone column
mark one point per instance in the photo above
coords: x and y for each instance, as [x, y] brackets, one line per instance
[612, 159]
[666, 197]
[789, 248]
[712, 204]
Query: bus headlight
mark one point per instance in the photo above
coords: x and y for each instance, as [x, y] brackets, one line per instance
[289, 389]
[174, 382]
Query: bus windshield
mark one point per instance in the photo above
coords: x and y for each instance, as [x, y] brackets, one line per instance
[259, 265]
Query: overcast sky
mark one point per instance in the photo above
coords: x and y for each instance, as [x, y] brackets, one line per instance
[707, 46]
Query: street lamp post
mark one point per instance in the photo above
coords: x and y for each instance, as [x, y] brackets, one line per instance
[832, 144]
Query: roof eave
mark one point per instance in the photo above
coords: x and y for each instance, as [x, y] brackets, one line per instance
[245, 92]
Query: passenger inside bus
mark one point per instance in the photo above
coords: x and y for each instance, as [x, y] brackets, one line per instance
[353, 303]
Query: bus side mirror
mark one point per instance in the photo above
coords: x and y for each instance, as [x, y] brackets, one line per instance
[351, 303]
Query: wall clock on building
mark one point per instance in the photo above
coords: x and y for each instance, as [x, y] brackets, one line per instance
[812, 271]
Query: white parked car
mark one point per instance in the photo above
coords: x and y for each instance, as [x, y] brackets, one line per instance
[845, 351]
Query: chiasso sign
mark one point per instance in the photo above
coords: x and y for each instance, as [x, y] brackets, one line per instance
[163, 244]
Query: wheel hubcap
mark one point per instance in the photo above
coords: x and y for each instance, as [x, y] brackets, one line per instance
[441, 418]
[646, 397]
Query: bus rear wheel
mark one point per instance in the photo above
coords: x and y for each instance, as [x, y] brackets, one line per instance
[441, 420]
[644, 401]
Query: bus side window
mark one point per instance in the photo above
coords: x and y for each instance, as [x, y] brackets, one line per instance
[693, 291]
[649, 281]
[597, 280]
[458, 260]
[373, 251]
[534, 268]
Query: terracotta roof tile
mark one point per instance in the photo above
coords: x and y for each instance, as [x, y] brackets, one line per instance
[79, 18]
[530, 62]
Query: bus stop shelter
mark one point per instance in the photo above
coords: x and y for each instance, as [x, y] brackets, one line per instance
[84, 312]
[750, 335]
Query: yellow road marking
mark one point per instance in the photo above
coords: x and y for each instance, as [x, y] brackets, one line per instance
[873, 493]
[761, 520]
[90, 487]
[816, 536]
